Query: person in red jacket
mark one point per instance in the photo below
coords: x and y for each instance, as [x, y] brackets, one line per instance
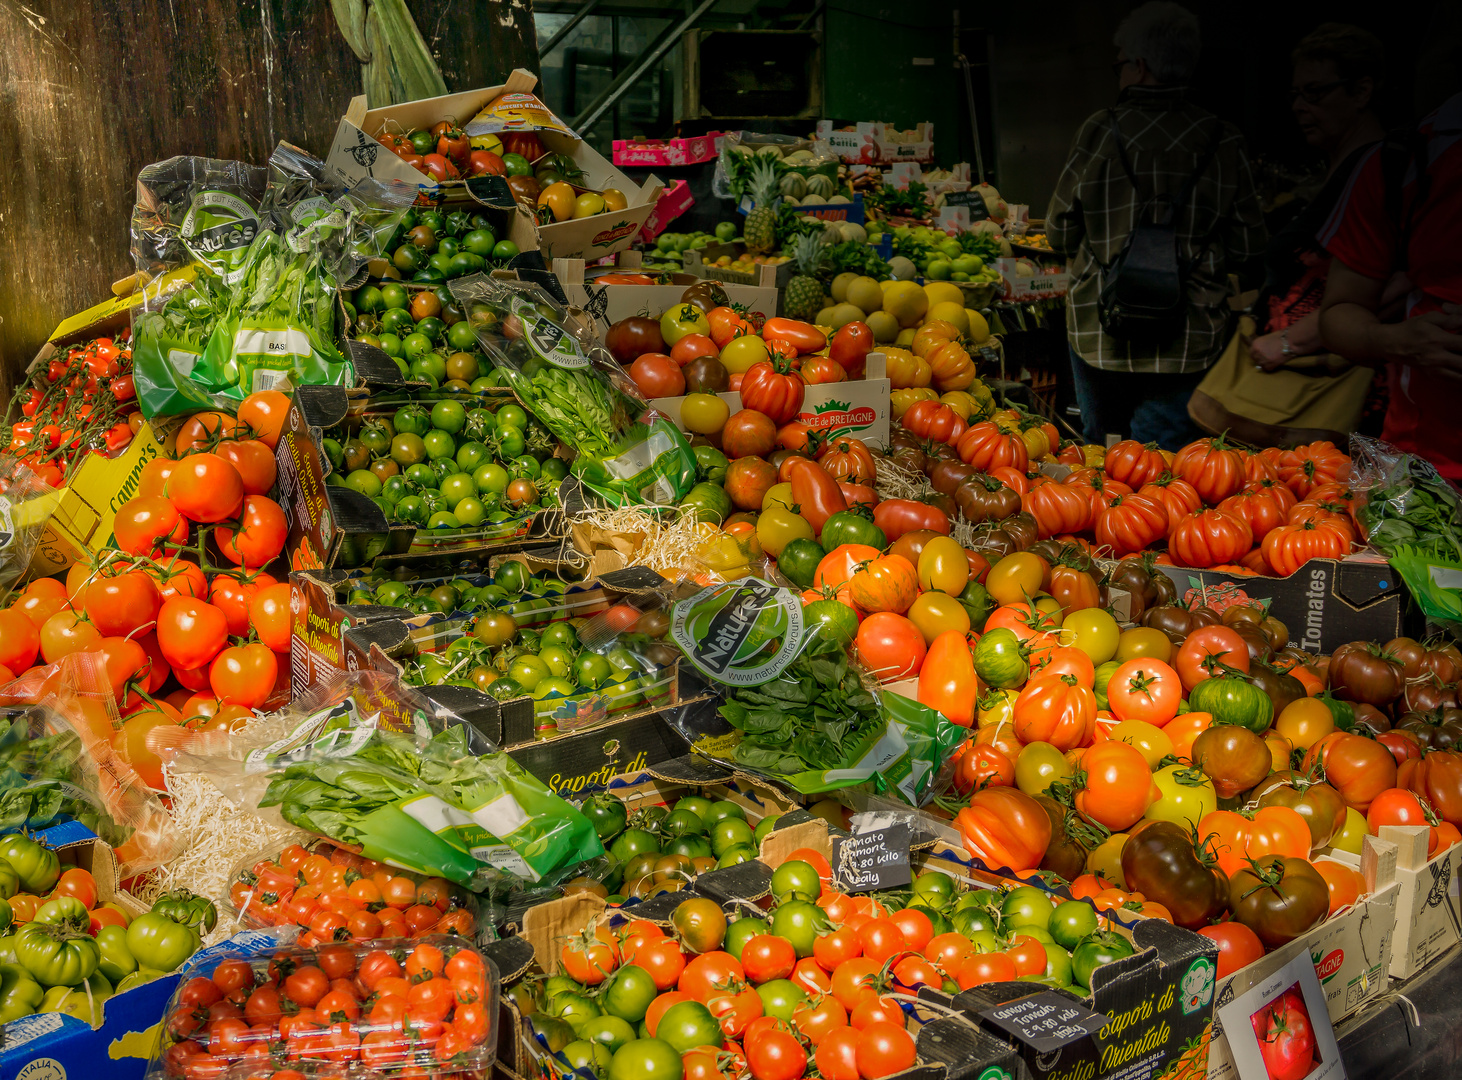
[1398, 231]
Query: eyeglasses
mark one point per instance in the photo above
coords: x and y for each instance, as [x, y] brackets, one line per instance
[1317, 92]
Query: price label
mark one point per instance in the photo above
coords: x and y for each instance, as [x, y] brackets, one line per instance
[972, 199]
[877, 859]
[1046, 1021]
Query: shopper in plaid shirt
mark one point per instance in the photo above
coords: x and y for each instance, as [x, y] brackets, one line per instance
[1130, 390]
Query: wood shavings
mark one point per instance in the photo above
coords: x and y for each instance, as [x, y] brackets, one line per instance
[896, 482]
[218, 836]
[662, 542]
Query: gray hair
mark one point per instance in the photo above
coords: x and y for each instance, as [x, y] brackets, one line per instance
[1165, 36]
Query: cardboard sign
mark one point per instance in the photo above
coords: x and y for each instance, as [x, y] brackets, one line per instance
[877, 859]
[1274, 1007]
[1046, 1021]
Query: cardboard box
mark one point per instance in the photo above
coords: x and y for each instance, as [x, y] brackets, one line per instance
[674, 201]
[1351, 952]
[853, 212]
[356, 154]
[607, 304]
[874, 143]
[668, 153]
[330, 525]
[860, 409]
[53, 1046]
[1325, 603]
[1038, 286]
[1428, 914]
[702, 263]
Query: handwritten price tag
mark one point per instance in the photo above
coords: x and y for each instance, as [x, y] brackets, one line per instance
[877, 859]
[1047, 1021]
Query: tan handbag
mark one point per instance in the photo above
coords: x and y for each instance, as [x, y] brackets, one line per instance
[1310, 398]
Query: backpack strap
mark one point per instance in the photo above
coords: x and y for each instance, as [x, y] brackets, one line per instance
[1209, 153]
[1122, 153]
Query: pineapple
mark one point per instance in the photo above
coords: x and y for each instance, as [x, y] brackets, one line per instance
[760, 231]
[804, 297]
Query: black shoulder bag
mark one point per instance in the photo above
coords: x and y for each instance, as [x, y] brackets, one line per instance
[1144, 294]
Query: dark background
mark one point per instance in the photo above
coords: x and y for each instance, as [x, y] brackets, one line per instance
[92, 90]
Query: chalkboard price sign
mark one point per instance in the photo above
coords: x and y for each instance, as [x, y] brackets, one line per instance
[1046, 1021]
[877, 859]
[972, 199]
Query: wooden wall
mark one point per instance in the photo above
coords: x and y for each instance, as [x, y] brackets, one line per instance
[92, 90]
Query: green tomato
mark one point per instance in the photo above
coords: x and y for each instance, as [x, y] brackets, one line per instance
[730, 833]
[765, 826]
[1027, 906]
[559, 660]
[411, 420]
[1071, 922]
[742, 931]
[606, 813]
[800, 923]
[687, 1025]
[575, 1009]
[935, 888]
[37, 866]
[645, 1059]
[1096, 950]
[796, 880]
[57, 961]
[117, 961]
[440, 446]
[84, 1003]
[780, 998]
[590, 670]
[588, 1055]
[141, 977]
[457, 487]
[633, 842]
[159, 942]
[20, 994]
[449, 416]
[628, 993]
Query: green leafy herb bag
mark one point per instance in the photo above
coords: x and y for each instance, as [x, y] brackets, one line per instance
[806, 715]
[626, 452]
[365, 762]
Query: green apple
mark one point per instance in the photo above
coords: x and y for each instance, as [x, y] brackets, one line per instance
[726, 231]
[938, 270]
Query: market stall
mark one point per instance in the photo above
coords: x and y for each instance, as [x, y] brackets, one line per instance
[456, 624]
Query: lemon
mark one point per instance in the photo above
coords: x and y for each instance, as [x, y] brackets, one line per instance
[839, 287]
[952, 313]
[906, 301]
[979, 329]
[906, 337]
[942, 292]
[884, 326]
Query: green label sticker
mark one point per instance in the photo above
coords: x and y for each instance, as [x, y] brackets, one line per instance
[550, 342]
[1197, 986]
[743, 633]
[218, 230]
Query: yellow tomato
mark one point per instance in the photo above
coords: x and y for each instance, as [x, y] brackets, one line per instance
[778, 527]
[943, 566]
[1038, 766]
[1147, 740]
[932, 613]
[1094, 632]
[559, 198]
[1146, 642]
[489, 142]
[1280, 749]
[740, 353]
[1051, 607]
[614, 199]
[704, 414]
[1305, 722]
[1106, 859]
[723, 554]
[588, 204]
[777, 495]
[996, 707]
[1015, 578]
[1351, 833]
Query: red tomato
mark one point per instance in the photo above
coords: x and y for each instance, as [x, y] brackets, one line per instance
[657, 375]
[1238, 946]
[1210, 645]
[889, 645]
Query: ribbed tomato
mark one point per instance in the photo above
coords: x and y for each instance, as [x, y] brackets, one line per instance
[847, 458]
[986, 447]
[1324, 513]
[1130, 524]
[1307, 467]
[1261, 509]
[1057, 509]
[1289, 547]
[1134, 463]
[1213, 467]
[887, 583]
[1004, 827]
[1055, 709]
[937, 421]
[1176, 496]
[1209, 538]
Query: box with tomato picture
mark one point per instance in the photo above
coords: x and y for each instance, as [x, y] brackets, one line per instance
[1350, 950]
[1428, 912]
[621, 290]
[1325, 603]
[359, 151]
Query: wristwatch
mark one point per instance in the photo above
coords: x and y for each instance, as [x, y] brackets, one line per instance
[1284, 348]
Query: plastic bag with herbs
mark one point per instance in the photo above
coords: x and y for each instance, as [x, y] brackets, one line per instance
[369, 764]
[798, 709]
[26, 504]
[625, 451]
[1413, 516]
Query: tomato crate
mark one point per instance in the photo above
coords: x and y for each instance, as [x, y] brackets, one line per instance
[1351, 950]
[1428, 922]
